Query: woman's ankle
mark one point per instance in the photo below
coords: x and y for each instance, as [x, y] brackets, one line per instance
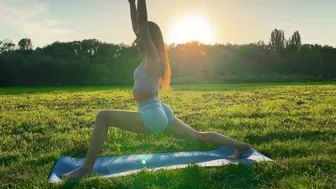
[87, 166]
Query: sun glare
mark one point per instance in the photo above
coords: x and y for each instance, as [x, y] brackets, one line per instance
[191, 28]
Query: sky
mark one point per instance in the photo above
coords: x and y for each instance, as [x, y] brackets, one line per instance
[230, 21]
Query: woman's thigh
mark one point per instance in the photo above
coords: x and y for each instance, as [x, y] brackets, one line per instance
[133, 122]
[127, 120]
[181, 130]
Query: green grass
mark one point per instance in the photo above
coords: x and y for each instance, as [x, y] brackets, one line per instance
[294, 124]
[196, 87]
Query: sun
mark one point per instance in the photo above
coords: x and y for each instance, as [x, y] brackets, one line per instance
[191, 28]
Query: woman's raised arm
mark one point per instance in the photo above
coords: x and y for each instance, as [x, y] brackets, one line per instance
[133, 16]
[149, 47]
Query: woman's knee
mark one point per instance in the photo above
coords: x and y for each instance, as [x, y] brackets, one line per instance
[195, 135]
[200, 136]
[103, 117]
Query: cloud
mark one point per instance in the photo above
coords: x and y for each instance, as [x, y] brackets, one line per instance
[22, 12]
[52, 23]
[26, 19]
[58, 31]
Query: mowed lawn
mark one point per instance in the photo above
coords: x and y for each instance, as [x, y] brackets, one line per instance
[294, 124]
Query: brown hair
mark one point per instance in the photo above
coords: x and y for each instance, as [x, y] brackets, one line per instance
[157, 38]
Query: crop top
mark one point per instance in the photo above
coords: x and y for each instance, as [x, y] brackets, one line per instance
[143, 82]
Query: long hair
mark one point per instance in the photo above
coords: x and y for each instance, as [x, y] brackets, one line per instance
[157, 38]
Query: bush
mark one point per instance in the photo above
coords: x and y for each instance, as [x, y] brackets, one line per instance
[252, 79]
[228, 79]
[187, 80]
[290, 78]
[313, 78]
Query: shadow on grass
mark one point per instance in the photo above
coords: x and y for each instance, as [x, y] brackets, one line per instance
[77, 152]
[229, 176]
[289, 150]
[6, 160]
[286, 136]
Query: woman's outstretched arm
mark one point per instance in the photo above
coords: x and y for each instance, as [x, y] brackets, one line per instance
[149, 47]
[133, 16]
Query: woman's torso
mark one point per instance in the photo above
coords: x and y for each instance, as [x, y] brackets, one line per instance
[141, 95]
[144, 86]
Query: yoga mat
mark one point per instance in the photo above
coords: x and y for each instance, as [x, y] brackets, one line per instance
[129, 164]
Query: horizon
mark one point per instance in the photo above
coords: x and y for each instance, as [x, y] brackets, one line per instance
[45, 22]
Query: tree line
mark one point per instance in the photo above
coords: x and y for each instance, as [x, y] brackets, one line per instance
[93, 62]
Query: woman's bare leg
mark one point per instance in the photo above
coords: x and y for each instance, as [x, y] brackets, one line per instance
[126, 120]
[182, 130]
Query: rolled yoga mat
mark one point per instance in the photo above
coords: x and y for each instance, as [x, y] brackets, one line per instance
[130, 164]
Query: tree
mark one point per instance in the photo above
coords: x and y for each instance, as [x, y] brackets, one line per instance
[6, 46]
[277, 41]
[295, 41]
[25, 44]
[92, 62]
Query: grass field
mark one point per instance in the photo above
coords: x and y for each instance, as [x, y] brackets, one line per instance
[294, 124]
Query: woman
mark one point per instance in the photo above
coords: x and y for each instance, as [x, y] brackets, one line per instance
[153, 116]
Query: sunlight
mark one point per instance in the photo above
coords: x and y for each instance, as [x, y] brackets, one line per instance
[191, 28]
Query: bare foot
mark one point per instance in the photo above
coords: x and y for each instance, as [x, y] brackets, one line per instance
[239, 151]
[80, 172]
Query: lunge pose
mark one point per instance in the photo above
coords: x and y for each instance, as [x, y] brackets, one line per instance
[153, 116]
